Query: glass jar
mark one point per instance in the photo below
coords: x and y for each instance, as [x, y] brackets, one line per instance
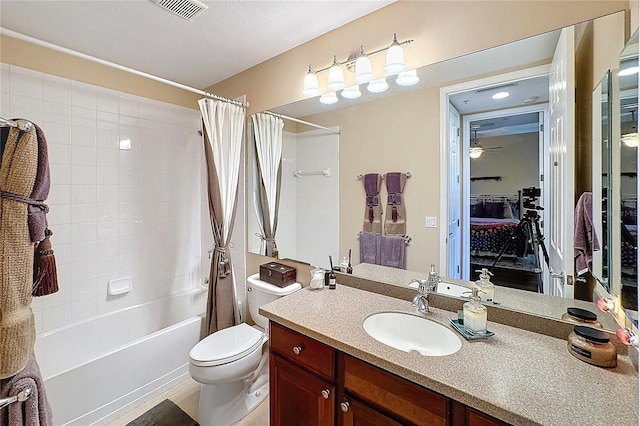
[592, 346]
[317, 279]
[581, 317]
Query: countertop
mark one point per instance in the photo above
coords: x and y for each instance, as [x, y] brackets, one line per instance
[518, 376]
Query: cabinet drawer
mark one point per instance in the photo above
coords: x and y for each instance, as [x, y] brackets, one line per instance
[394, 394]
[302, 350]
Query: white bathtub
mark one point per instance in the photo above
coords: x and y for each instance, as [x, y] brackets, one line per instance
[96, 369]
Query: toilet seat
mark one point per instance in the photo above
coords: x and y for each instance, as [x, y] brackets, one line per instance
[226, 345]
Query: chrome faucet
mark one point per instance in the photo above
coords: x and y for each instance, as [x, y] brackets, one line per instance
[421, 300]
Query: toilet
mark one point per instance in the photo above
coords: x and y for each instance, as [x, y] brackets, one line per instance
[232, 364]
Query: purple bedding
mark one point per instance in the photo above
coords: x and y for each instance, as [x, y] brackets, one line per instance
[488, 235]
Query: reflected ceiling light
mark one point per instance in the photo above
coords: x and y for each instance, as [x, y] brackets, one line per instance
[329, 98]
[378, 86]
[408, 78]
[395, 58]
[500, 95]
[628, 71]
[360, 64]
[630, 140]
[311, 86]
[475, 152]
[352, 92]
[336, 76]
[364, 72]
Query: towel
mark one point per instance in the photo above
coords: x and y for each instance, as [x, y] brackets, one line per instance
[395, 219]
[373, 211]
[37, 214]
[585, 240]
[18, 169]
[370, 248]
[35, 411]
[392, 251]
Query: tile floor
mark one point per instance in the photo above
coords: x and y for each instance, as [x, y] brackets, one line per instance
[186, 395]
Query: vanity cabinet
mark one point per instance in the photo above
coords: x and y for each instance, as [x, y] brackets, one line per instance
[314, 384]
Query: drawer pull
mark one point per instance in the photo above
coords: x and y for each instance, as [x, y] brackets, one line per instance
[345, 406]
[326, 393]
[297, 350]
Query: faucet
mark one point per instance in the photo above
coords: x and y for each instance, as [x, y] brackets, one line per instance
[430, 285]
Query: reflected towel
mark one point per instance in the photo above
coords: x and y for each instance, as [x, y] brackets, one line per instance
[392, 251]
[370, 248]
[35, 411]
[584, 237]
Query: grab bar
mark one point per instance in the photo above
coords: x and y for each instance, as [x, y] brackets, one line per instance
[22, 396]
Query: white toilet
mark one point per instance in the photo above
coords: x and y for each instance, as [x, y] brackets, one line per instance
[232, 364]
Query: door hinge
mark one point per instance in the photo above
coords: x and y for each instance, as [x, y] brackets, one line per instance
[541, 178]
[458, 179]
[458, 268]
[542, 127]
[458, 223]
[458, 131]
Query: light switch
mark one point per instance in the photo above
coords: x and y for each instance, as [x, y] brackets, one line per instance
[430, 222]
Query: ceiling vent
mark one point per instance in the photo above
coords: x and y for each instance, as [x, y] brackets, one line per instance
[501, 86]
[186, 9]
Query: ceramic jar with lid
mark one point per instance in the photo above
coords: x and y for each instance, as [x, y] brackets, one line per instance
[593, 346]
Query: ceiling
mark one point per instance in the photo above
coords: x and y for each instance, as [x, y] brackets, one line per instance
[227, 38]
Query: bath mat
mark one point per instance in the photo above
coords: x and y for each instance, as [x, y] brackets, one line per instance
[164, 414]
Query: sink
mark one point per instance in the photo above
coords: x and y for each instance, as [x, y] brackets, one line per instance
[411, 333]
[448, 289]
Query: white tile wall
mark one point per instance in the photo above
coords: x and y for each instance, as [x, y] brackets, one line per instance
[114, 212]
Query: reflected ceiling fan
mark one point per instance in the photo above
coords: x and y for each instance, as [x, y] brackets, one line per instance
[476, 149]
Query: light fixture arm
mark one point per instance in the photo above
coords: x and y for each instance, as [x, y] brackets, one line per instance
[352, 58]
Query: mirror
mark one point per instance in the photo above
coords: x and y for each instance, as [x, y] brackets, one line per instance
[601, 176]
[625, 167]
[401, 133]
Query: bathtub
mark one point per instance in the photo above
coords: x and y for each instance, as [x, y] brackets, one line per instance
[97, 369]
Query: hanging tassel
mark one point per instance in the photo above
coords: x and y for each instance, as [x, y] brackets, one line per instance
[394, 213]
[45, 274]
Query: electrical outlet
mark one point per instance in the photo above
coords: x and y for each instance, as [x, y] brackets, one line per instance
[430, 222]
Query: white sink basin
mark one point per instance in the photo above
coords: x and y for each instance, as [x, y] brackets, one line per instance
[411, 333]
[448, 289]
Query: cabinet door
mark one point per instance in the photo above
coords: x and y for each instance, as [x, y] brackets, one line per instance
[354, 413]
[299, 398]
[476, 418]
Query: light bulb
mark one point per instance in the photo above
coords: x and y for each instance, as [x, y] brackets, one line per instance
[329, 98]
[352, 92]
[336, 76]
[407, 78]
[475, 152]
[395, 58]
[311, 86]
[377, 86]
[501, 95]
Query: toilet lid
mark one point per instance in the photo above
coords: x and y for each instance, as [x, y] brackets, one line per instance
[226, 345]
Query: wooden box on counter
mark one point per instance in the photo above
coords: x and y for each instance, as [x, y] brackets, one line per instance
[277, 274]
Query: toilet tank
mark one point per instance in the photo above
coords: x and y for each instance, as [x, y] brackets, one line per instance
[259, 293]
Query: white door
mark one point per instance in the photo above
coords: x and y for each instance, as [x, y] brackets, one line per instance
[561, 160]
[453, 240]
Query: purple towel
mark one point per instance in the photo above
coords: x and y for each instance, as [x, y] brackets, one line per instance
[36, 410]
[585, 240]
[392, 251]
[370, 248]
[371, 181]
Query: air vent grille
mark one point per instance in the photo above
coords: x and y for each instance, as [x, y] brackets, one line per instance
[502, 86]
[186, 9]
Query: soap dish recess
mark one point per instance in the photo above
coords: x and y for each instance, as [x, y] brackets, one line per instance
[119, 286]
[460, 328]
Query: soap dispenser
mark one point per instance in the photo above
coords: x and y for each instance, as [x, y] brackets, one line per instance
[486, 287]
[475, 314]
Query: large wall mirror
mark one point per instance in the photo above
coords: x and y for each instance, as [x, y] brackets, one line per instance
[322, 201]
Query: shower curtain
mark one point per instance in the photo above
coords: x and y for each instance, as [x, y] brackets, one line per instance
[224, 125]
[267, 178]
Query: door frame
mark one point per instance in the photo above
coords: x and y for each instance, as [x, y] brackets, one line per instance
[445, 92]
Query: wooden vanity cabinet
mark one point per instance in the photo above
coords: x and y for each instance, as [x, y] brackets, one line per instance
[314, 384]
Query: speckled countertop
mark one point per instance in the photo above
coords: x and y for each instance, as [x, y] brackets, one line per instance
[518, 376]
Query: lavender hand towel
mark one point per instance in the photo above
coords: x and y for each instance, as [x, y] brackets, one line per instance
[370, 248]
[584, 237]
[36, 410]
[392, 251]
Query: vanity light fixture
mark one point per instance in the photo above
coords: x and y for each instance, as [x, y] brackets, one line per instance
[630, 140]
[500, 95]
[360, 63]
[628, 71]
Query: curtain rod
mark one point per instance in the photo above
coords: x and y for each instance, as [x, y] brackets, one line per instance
[297, 120]
[52, 46]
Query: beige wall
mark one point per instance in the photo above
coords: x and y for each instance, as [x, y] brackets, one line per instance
[441, 30]
[27, 55]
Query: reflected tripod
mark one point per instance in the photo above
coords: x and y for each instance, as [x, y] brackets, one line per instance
[529, 227]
